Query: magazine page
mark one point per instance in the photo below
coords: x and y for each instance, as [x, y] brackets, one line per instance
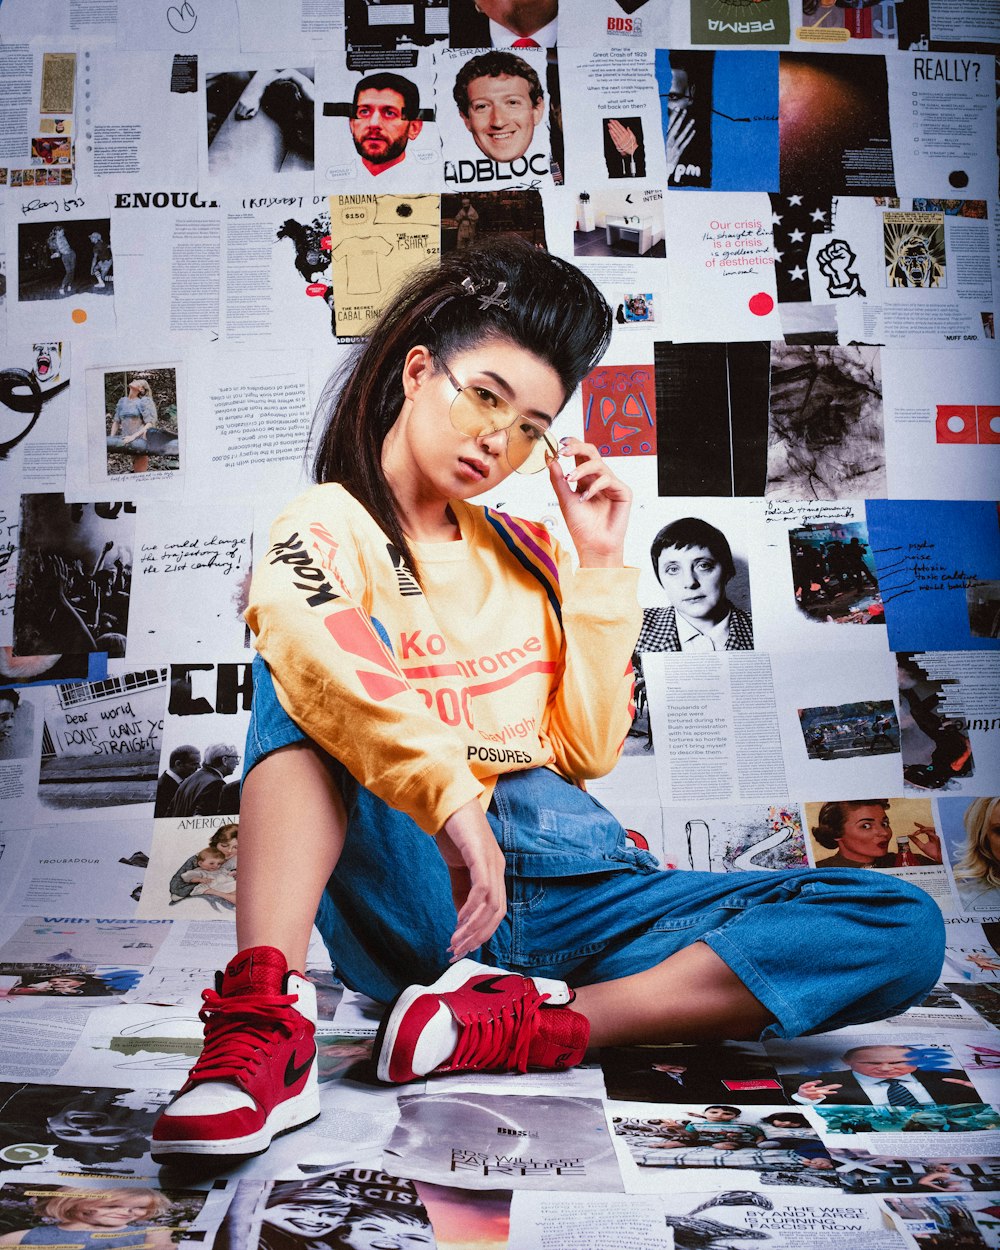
[840, 726]
[722, 270]
[320, 25]
[719, 119]
[964, 823]
[39, 115]
[494, 127]
[250, 409]
[768, 23]
[388, 35]
[937, 566]
[130, 426]
[99, 878]
[845, 146]
[180, 28]
[950, 21]
[815, 579]
[34, 405]
[710, 714]
[57, 254]
[488, 1141]
[617, 112]
[37, 1209]
[77, 1130]
[377, 131]
[203, 557]
[382, 239]
[596, 22]
[25, 20]
[177, 236]
[948, 738]
[102, 741]
[787, 421]
[895, 836]
[934, 403]
[937, 245]
[157, 144]
[666, 1148]
[607, 1222]
[36, 1044]
[790, 1223]
[21, 717]
[258, 120]
[953, 92]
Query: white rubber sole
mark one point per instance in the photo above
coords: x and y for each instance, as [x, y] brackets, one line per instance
[291, 1114]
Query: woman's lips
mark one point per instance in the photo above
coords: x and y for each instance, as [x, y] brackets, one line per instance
[476, 467]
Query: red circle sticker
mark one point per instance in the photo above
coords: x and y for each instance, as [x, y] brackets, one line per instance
[761, 304]
[316, 288]
[326, 243]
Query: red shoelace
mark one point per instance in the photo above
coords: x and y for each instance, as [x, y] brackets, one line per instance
[498, 1038]
[239, 1032]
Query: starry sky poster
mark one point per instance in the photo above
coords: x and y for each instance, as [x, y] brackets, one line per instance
[795, 218]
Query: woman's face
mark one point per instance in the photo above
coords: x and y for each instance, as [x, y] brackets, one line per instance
[695, 583]
[866, 835]
[426, 457]
[992, 833]
[113, 1212]
[383, 1232]
[227, 845]
[306, 1219]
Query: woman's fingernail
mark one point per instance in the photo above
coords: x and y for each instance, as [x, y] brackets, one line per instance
[564, 440]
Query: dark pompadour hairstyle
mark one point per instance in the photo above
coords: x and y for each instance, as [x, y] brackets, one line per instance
[548, 307]
[692, 531]
[391, 82]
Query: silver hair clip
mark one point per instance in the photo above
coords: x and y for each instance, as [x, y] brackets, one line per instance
[487, 299]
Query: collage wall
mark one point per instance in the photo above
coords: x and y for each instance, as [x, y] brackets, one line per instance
[791, 208]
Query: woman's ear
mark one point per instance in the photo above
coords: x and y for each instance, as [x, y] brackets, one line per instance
[417, 368]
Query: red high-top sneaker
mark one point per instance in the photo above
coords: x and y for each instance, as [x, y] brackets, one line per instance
[256, 1077]
[477, 1018]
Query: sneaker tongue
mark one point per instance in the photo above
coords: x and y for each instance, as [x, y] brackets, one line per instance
[259, 970]
[561, 1039]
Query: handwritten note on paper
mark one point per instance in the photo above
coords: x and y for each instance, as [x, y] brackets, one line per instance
[225, 555]
[190, 582]
[806, 511]
[936, 562]
[917, 566]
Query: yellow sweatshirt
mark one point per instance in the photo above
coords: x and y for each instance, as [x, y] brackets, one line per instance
[507, 659]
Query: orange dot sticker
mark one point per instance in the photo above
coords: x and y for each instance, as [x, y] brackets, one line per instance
[760, 304]
[79, 316]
